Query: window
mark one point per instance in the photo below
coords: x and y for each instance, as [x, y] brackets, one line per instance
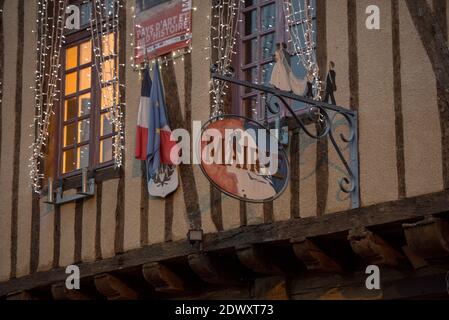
[86, 132]
[263, 27]
[143, 5]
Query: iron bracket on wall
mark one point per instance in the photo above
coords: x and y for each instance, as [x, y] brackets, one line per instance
[87, 191]
[324, 114]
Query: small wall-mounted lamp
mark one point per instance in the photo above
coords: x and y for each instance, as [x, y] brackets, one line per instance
[195, 238]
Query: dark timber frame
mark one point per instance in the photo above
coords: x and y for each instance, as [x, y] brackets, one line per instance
[325, 116]
[422, 219]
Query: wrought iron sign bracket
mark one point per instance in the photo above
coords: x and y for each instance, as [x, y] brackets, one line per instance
[325, 115]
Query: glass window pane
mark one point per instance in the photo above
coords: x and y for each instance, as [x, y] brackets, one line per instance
[266, 73]
[84, 130]
[268, 17]
[250, 22]
[249, 3]
[71, 110]
[300, 72]
[107, 94]
[108, 44]
[251, 75]
[71, 58]
[69, 161]
[250, 107]
[106, 150]
[298, 31]
[86, 9]
[70, 134]
[85, 79]
[83, 157]
[250, 53]
[268, 46]
[86, 52]
[107, 69]
[70, 83]
[109, 7]
[106, 124]
[300, 5]
[84, 104]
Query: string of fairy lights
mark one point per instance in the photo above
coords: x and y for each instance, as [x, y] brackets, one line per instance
[50, 39]
[223, 24]
[300, 13]
[104, 22]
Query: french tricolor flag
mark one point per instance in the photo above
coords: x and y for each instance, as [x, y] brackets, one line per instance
[143, 117]
[162, 175]
[159, 133]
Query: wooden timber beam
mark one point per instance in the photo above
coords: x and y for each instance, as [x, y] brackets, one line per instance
[433, 39]
[162, 278]
[395, 284]
[258, 260]
[313, 257]
[60, 292]
[20, 295]
[401, 211]
[113, 288]
[372, 248]
[428, 238]
[213, 271]
[416, 261]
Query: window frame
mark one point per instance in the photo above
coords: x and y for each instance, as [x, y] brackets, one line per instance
[141, 7]
[75, 38]
[238, 92]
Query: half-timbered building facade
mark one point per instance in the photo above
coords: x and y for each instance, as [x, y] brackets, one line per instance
[313, 242]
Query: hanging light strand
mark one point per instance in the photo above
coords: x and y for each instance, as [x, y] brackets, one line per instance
[301, 13]
[50, 39]
[104, 23]
[224, 29]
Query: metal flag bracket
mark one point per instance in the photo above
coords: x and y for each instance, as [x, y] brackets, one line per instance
[87, 191]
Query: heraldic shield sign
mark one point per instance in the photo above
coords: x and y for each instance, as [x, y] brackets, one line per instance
[243, 159]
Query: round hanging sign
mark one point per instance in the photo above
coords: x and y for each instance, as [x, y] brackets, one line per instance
[243, 159]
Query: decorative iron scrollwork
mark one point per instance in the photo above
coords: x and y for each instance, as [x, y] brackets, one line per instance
[323, 114]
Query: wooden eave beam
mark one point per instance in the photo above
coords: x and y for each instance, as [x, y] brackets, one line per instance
[163, 279]
[60, 292]
[213, 271]
[401, 211]
[313, 257]
[372, 248]
[258, 260]
[429, 238]
[20, 295]
[113, 288]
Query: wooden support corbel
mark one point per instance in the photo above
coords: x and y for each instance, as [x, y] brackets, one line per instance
[212, 271]
[113, 288]
[20, 295]
[428, 238]
[252, 257]
[313, 257]
[372, 248]
[162, 278]
[60, 292]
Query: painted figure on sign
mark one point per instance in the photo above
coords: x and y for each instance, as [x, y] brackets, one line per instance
[282, 76]
[331, 84]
